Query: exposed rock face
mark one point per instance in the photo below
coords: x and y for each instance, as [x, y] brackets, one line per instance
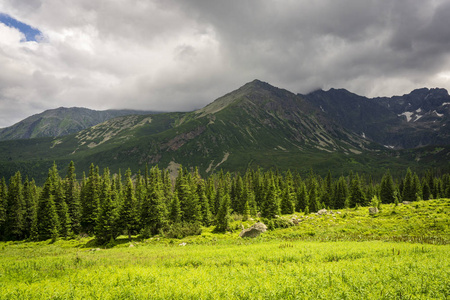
[254, 231]
[373, 210]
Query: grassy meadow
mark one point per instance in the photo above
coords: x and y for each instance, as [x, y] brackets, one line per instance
[401, 253]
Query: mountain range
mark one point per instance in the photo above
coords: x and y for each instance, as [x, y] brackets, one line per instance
[257, 125]
[61, 121]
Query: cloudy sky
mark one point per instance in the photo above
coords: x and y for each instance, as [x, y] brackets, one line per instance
[180, 55]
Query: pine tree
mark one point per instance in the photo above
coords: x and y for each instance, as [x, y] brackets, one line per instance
[271, 207]
[410, 187]
[154, 212]
[288, 195]
[72, 197]
[206, 215]
[30, 199]
[47, 216]
[223, 215]
[340, 193]
[106, 226]
[387, 188]
[313, 194]
[357, 197]
[15, 210]
[90, 200]
[3, 206]
[175, 210]
[128, 214]
[302, 197]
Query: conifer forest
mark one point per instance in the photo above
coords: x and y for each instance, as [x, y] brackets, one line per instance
[107, 205]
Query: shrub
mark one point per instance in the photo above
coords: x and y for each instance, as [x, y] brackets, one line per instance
[181, 230]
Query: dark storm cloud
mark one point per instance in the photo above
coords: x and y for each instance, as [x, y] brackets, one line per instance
[180, 55]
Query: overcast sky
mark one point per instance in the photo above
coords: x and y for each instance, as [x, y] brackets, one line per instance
[180, 55]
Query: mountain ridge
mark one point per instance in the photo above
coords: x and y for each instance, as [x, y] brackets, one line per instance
[61, 121]
[256, 125]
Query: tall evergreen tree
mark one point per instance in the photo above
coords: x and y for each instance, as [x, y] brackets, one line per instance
[302, 198]
[72, 197]
[223, 215]
[3, 206]
[288, 195]
[387, 189]
[271, 207]
[357, 197]
[15, 210]
[106, 226]
[47, 216]
[154, 211]
[128, 214]
[340, 193]
[175, 210]
[90, 200]
[30, 199]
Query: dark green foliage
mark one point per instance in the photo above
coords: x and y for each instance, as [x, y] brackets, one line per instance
[340, 193]
[271, 205]
[90, 193]
[288, 195]
[72, 197]
[154, 211]
[3, 206]
[15, 210]
[357, 197]
[175, 210]
[128, 215]
[387, 188]
[223, 215]
[47, 216]
[181, 230]
[106, 228]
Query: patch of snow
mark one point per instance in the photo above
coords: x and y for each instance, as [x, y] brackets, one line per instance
[438, 114]
[417, 118]
[322, 108]
[407, 114]
[445, 103]
[390, 147]
[363, 135]
[418, 110]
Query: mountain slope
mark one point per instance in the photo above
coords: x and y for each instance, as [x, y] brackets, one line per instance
[255, 125]
[60, 121]
[413, 120]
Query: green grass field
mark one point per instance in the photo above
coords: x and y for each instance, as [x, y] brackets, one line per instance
[402, 253]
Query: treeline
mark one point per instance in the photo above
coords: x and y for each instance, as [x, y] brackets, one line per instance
[106, 205]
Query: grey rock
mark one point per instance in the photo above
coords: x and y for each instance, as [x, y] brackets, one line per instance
[254, 231]
[373, 210]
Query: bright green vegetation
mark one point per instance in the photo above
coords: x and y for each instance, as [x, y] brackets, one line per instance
[358, 261]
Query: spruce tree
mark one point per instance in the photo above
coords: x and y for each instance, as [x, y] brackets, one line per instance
[357, 197]
[47, 216]
[154, 211]
[90, 200]
[106, 226]
[175, 210]
[302, 197]
[128, 217]
[30, 198]
[340, 193]
[271, 207]
[15, 210]
[288, 195]
[72, 197]
[3, 206]
[387, 188]
[223, 215]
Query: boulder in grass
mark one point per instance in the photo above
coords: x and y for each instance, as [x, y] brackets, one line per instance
[254, 231]
[373, 210]
[322, 212]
